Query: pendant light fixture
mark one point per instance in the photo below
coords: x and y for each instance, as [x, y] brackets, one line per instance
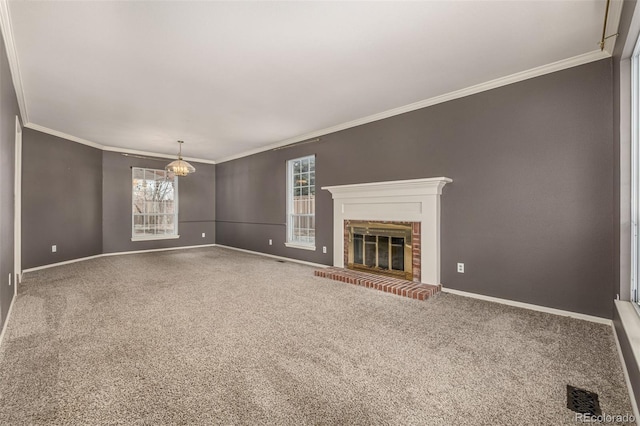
[180, 167]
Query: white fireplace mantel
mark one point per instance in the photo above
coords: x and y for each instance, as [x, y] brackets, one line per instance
[414, 200]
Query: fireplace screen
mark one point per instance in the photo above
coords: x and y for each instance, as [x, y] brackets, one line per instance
[382, 248]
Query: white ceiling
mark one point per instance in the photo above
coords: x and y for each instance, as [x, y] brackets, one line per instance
[234, 77]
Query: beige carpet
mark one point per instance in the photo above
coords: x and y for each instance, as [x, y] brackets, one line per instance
[214, 336]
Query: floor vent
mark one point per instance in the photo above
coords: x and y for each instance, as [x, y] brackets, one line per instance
[583, 401]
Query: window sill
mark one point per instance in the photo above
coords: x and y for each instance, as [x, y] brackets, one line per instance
[161, 237]
[301, 246]
[631, 323]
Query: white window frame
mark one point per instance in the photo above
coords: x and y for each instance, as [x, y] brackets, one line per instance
[635, 174]
[175, 235]
[291, 241]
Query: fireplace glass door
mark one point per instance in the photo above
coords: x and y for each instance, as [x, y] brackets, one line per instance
[385, 250]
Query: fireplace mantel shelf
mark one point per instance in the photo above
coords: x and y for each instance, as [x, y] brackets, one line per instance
[412, 200]
[425, 186]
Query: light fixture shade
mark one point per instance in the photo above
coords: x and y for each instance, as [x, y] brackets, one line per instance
[180, 167]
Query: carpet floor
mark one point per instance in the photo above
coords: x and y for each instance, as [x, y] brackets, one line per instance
[214, 336]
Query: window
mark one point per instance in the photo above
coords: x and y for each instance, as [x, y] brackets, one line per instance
[635, 175]
[155, 205]
[301, 203]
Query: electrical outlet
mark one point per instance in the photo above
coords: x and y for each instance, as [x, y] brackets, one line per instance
[270, 242]
[9, 278]
[461, 268]
[203, 235]
[54, 249]
[324, 249]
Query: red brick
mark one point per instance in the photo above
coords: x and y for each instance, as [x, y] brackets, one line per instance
[392, 285]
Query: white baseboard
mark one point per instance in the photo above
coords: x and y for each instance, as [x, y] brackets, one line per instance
[286, 259]
[66, 262]
[117, 253]
[530, 306]
[6, 320]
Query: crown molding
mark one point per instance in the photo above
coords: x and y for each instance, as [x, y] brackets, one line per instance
[7, 33]
[592, 56]
[63, 135]
[156, 154]
[108, 148]
[585, 58]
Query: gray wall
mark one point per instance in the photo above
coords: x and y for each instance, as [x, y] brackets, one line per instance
[79, 198]
[196, 208]
[530, 211]
[61, 199]
[8, 112]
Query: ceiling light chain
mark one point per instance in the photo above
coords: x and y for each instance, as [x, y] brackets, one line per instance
[605, 37]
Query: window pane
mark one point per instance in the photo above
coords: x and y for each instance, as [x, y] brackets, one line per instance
[397, 253]
[301, 201]
[145, 224]
[357, 248]
[154, 212]
[138, 225]
[171, 225]
[370, 250]
[138, 174]
[383, 252]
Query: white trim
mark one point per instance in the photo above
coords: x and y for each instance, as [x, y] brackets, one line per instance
[287, 259]
[635, 183]
[66, 262]
[301, 246]
[412, 200]
[625, 371]
[585, 58]
[6, 27]
[155, 154]
[108, 148]
[424, 186]
[62, 135]
[632, 35]
[17, 208]
[530, 306]
[117, 253]
[6, 320]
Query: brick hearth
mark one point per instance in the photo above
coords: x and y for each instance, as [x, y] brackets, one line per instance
[392, 285]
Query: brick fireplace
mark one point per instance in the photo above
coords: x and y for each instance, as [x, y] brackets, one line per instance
[414, 202]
